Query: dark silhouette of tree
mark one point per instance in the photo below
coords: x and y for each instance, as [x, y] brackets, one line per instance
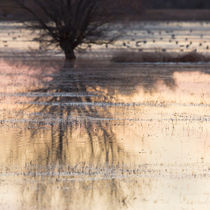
[66, 23]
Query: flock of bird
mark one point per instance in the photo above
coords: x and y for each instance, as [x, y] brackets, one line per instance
[151, 38]
[168, 41]
[165, 37]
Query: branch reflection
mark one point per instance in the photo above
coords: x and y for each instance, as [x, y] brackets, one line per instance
[73, 132]
[76, 109]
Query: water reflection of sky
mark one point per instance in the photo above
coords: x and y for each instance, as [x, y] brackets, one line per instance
[108, 136]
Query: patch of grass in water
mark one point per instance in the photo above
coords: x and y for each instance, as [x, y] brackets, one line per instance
[165, 57]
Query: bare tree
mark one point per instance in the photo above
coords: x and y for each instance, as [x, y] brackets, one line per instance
[65, 23]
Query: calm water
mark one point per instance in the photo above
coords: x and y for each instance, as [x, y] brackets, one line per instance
[99, 135]
[104, 136]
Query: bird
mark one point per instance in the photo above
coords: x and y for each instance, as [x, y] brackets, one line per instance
[173, 36]
[138, 43]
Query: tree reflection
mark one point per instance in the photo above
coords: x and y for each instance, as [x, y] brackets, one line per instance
[69, 101]
[76, 105]
[71, 137]
[70, 131]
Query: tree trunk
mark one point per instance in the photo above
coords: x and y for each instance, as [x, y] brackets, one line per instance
[69, 55]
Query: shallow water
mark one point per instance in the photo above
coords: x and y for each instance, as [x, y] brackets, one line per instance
[104, 135]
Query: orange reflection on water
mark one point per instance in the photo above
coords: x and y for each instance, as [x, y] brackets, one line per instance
[120, 146]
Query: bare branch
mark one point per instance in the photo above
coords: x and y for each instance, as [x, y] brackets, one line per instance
[67, 23]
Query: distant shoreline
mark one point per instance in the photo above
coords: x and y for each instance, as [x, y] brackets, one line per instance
[15, 13]
[176, 15]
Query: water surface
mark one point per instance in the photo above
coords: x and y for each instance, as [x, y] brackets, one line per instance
[103, 135]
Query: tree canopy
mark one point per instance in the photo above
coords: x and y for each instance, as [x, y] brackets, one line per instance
[68, 23]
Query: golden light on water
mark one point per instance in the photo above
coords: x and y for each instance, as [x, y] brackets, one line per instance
[112, 136]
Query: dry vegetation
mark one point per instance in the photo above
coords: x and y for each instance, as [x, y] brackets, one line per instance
[160, 57]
